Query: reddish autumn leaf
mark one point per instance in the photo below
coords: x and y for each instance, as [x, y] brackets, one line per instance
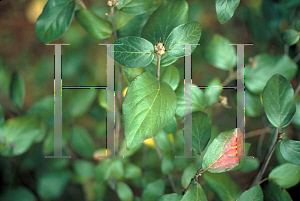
[222, 155]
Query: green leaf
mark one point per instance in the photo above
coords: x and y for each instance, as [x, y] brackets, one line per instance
[188, 33]
[278, 100]
[134, 52]
[103, 170]
[290, 151]
[48, 145]
[117, 169]
[171, 76]
[132, 73]
[170, 197]
[217, 157]
[167, 163]
[132, 171]
[297, 25]
[223, 186]
[124, 191]
[17, 90]
[212, 94]
[290, 37]
[84, 168]
[188, 173]
[130, 25]
[272, 192]
[18, 194]
[148, 106]
[169, 15]
[18, 134]
[134, 7]
[220, 54]
[254, 194]
[94, 25]
[54, 20]
[166, 60]
[171, 127]
[225, 9]
[82, 142]
[163, 141]
[249, 164]
[285, 175]
[253, 106]
[153, 190]
[198, 99]
[2, 116]
[103, 102]
[296, 118]
[52, 185]
[195, 193]
[264, 67]
[201, 131]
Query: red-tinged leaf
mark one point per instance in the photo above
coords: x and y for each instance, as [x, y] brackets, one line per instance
[222, 154]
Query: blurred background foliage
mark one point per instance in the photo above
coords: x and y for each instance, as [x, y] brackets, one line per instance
[26, 97]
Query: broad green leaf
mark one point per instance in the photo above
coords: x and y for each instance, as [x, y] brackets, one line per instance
[225, 9]
[82, 142]
[212, 93]
[272, 192]
[171, 127]
[297, 25]
[124, 191]
[169, 15]
[132, 171]
[52, 185]
[18, 134]
[249, 164]
[54, 20]
[130, 25]
[103, 170]
[290, 37]
[148, 106]
[290, 151]
[201, 131]
[132, 73]
[195, 193]
[134, 7]
[18, 194]
[278, 101]
[222, 185]
[166, 60]
[198, 99]
[94, 25]
[188, 33]
[170, 197]
[163, 141]
[134, 52]
[2, 116]
[220, 54]
[84, 168]
[254, 194]
[17, 90]
[171, 76]
[253, 106]
[117, 169]
[188, 173]
[153, 190]
[285, 175]
[242, 161]
[167, 163]
[219, 156]
[78, 101]
[5, 80]
[264, 67]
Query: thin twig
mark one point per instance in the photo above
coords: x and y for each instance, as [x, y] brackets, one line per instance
[195, 178]
[297, 90]
[158, 66]
[113, 21]
[257, 132]
[119, 113]
[267, 158]
[286, 49]
[296, 58]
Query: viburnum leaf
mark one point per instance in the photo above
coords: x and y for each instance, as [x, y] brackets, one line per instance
[220, 154]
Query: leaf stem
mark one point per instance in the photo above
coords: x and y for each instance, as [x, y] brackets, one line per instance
[158, 66]
[296, 58]
[195, 178]
[267, 158]
[81, 3]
